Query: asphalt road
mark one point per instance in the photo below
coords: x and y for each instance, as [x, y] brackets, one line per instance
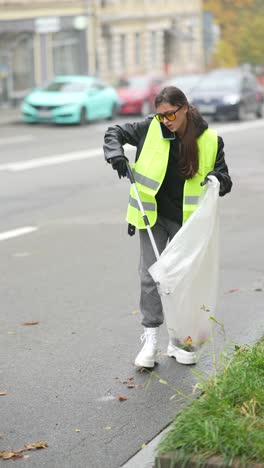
[75, 273]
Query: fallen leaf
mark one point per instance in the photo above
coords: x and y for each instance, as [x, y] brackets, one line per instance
[77, 430]
[7, 455]
[30, 323]
[36, 446]
[258, 289]
[122, 398]
[135, 312]
[188, 341]
[128, 381]
[3, 393]
[143, 446]
[107, 428]
[232, 290]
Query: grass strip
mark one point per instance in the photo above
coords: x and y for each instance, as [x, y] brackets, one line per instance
[227, 419]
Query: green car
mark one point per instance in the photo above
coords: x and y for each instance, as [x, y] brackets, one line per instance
[71, 100]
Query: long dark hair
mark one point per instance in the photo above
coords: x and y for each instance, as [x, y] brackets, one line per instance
[189, 161]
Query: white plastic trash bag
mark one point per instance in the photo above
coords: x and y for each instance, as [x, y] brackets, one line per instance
[186, 273]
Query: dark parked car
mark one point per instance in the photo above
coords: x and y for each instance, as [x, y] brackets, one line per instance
[187, 83]
[229, 93]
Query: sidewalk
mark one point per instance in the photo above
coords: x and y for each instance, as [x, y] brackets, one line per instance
[9, 115]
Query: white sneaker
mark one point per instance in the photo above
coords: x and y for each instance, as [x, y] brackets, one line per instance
[148, 354]
[181, 356]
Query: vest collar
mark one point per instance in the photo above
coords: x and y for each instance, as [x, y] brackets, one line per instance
[165, 132]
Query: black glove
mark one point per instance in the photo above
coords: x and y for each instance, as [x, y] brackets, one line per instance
[119, 165]
[204, 181]
[220, 179]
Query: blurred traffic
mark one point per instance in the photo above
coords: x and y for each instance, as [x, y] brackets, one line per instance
[125, 54]
[220, 94]
[71, 99]
[187, 83]
[228, 94]
[137, 94]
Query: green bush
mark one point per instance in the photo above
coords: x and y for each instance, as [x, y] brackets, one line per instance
[227, 419]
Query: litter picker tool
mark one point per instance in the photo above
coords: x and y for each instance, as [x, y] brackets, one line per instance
[144, 216]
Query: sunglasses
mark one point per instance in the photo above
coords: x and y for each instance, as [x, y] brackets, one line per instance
[168, 115]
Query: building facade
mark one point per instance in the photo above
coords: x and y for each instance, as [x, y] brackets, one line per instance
[38, 40]
[149, 36]
[110, 38]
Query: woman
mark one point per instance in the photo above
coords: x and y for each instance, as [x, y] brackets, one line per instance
[176, 151]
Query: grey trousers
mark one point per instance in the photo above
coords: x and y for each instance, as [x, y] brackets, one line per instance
[150, 302]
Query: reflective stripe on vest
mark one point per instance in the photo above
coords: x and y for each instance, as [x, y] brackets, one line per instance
[146, 206]
[143, 180]
[207, 150]
[150, 169]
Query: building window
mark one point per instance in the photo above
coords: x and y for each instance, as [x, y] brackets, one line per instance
[104, 3]
[154, 47]
[16, 65]
[109, 52]
[66, 53]
[137, 49]
[123, 51]
[23, 63]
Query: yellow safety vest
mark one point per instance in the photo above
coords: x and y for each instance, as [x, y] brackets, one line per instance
[150, 169]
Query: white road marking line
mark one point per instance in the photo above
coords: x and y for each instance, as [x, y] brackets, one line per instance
[17, 232]
[237, 127]
[92, 153]
[16, 139]
[21, 254]
[52, 160]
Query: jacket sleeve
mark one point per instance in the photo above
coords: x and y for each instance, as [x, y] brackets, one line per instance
[117, 136]
[221, 170]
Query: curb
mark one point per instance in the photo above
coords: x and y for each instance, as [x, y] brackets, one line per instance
[169, 460]
[9, 116]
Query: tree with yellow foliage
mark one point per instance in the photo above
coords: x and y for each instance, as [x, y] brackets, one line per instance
[241, 25]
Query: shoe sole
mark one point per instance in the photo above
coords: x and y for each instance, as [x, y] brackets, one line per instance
[148, 363]
[188, 360]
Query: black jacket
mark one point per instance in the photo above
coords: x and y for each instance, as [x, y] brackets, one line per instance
[170, 195]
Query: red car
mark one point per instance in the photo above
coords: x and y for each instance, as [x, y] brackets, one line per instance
[137, 94]
[260, 100]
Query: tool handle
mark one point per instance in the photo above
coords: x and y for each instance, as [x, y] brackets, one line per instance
[131, 177]
[130, 174]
